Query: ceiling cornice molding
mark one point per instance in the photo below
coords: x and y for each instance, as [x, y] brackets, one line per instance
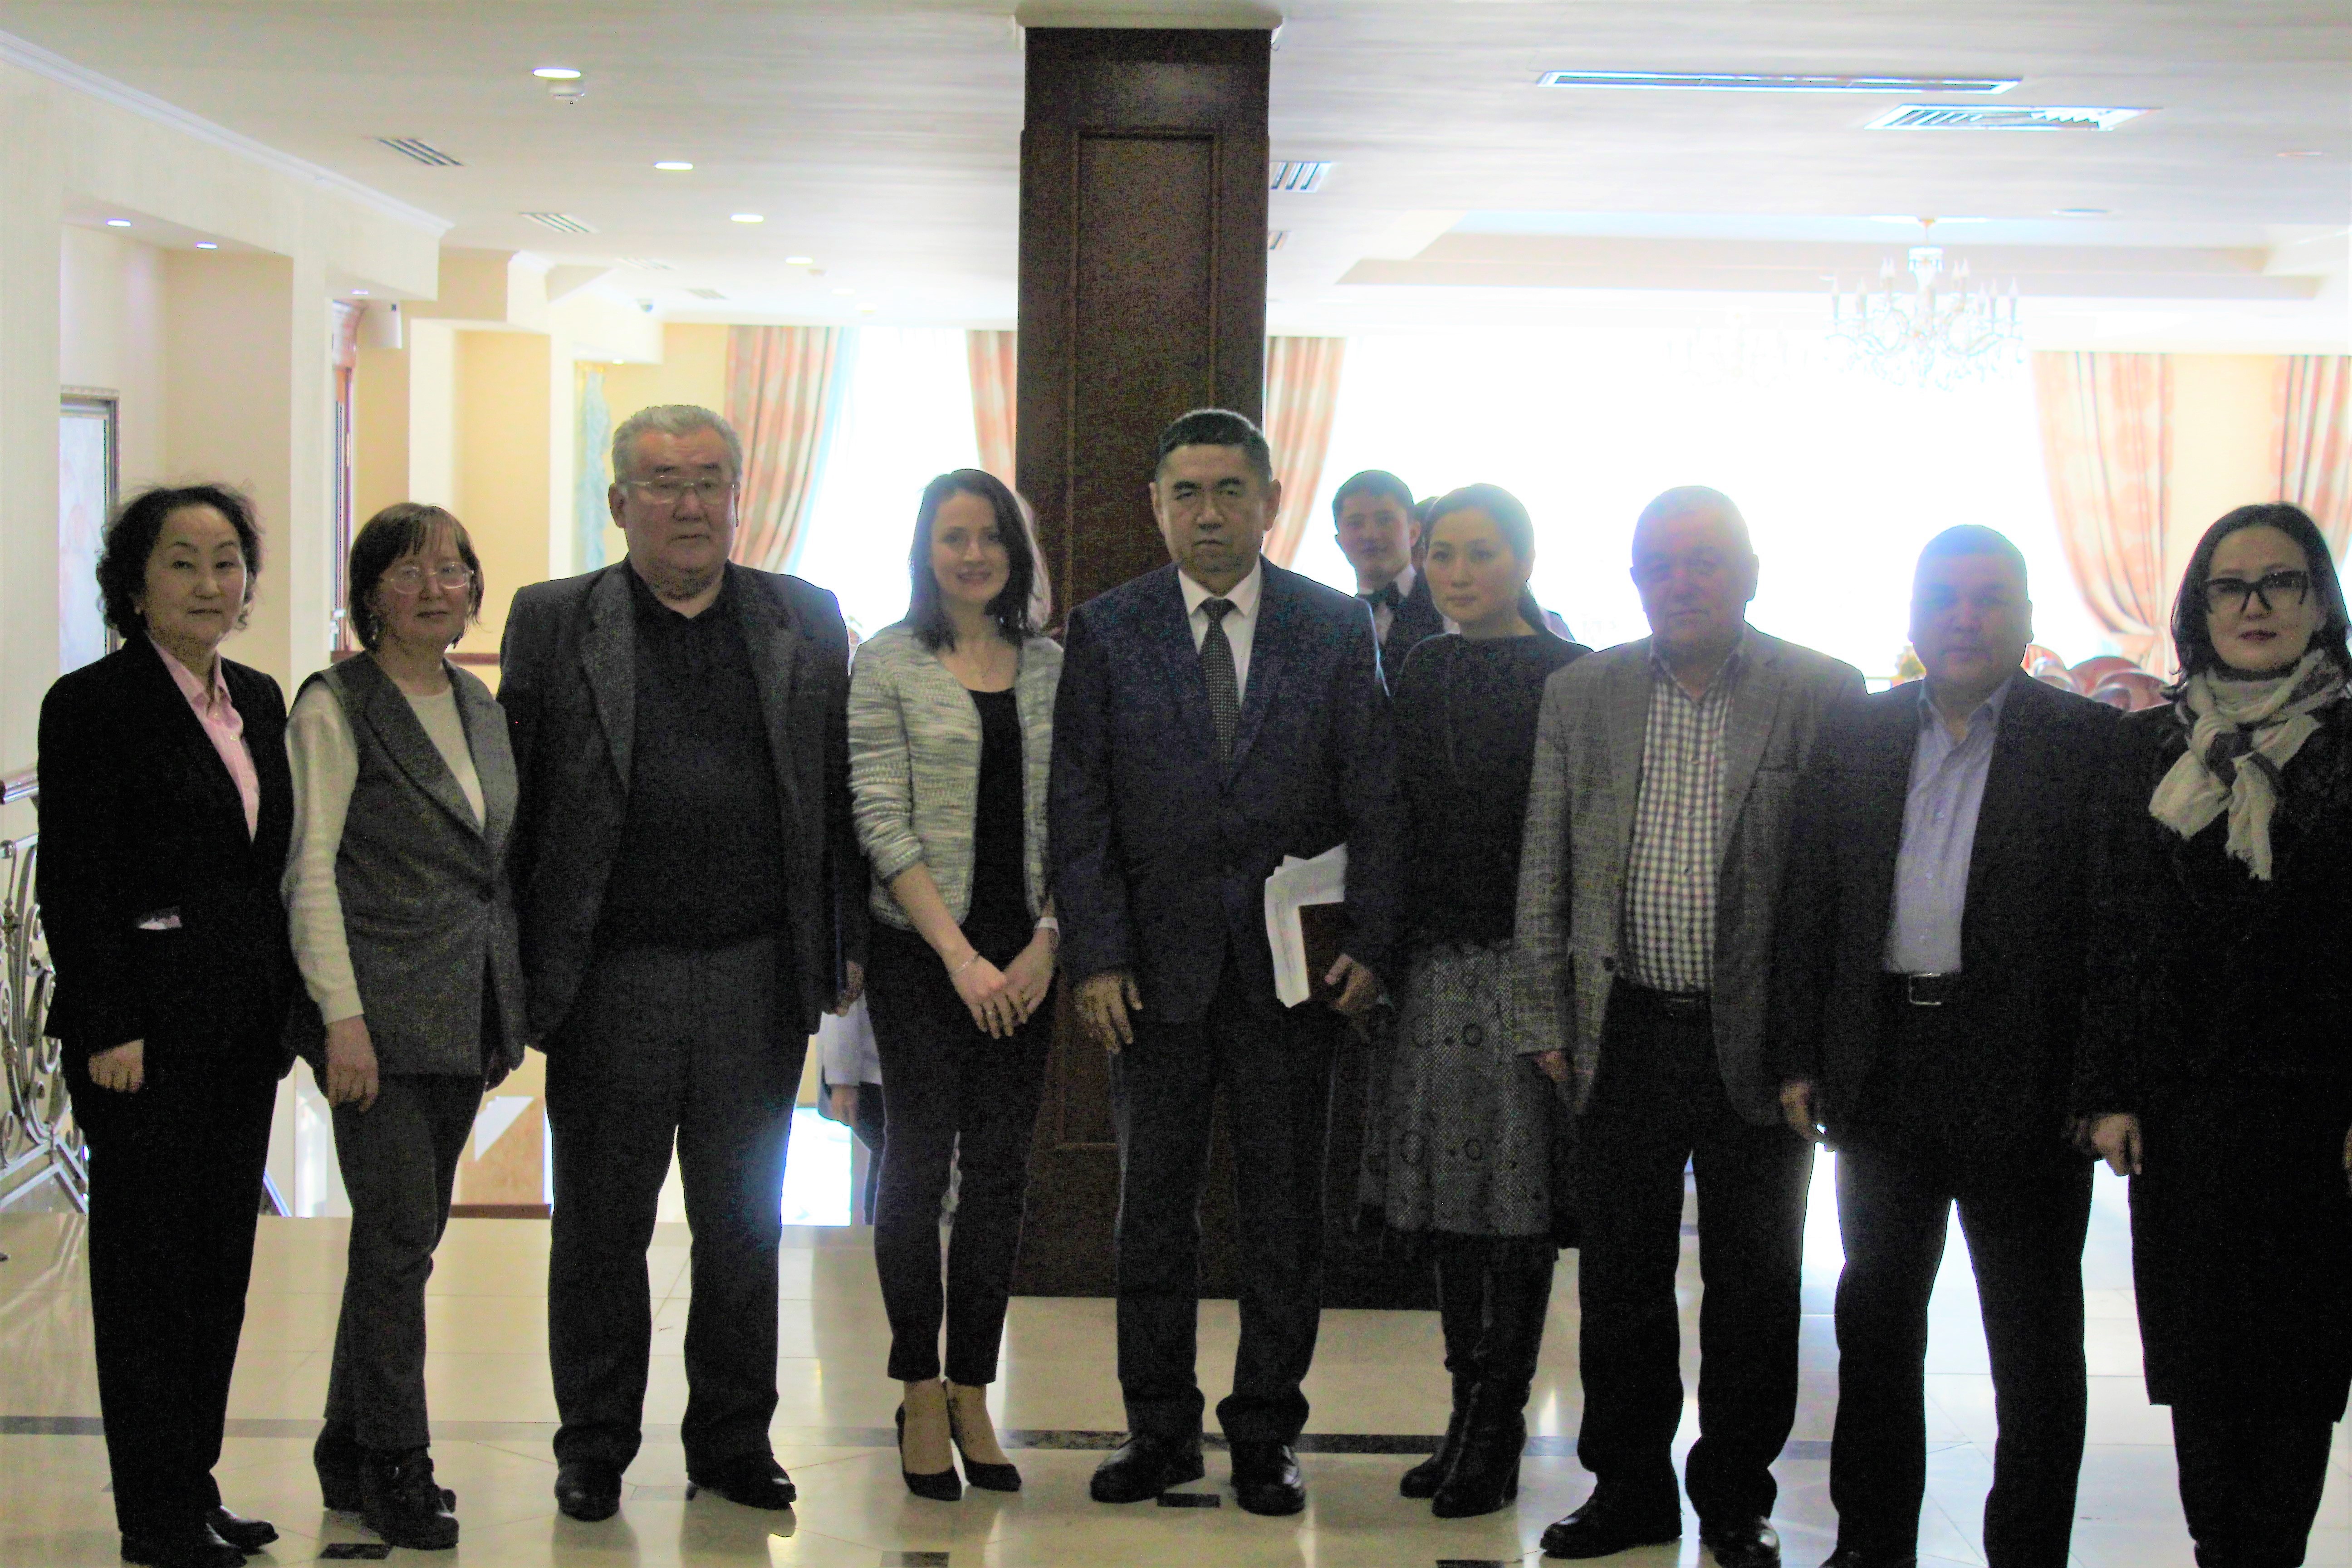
[33, 59]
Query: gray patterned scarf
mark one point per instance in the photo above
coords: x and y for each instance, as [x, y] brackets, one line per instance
[2242, 735]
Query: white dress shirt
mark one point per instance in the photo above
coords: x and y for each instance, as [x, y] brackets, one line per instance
[1241, 621]
[1384, 615]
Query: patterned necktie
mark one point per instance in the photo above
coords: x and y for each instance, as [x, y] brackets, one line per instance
[1217, 669]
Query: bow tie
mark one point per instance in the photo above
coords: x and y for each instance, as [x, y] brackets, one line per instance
[1387, 596]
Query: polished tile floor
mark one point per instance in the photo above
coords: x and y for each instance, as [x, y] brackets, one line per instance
[1377, 1374]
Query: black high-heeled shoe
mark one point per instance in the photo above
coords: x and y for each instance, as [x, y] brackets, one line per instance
[939, 1486]
[988, 1477]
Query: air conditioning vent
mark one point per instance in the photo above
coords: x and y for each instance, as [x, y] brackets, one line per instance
[647, 264]
[1297, 178]
[562, 223]
[1275, 237]
[1967, 117]
[706, 293]
[421, 151]
[1742, 81]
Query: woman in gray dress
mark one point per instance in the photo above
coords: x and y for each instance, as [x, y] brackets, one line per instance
[1459, 1160]
[404, 930]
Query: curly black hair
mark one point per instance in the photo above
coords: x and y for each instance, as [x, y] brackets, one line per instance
[131, 539]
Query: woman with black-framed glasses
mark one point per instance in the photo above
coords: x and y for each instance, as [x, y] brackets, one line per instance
[2217, 1065]
[403, 926]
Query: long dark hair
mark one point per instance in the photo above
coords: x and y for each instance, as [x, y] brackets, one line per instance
[1511, 521]
[131, 539]
[2192, 637]
[1020, 604]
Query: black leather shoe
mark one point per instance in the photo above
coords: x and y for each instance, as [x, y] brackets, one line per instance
[587, 1490]
[247, 1535]
[1143, 1467]
[1861, 1557]
[1605, 1526]
[400, 1501]
[1741, 1543]
[754, 1480]
[1267, 1478]
[195, 1547]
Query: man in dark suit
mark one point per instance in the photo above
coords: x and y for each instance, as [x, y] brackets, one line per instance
[690, 898]
[1378, 531]
[1649, 883]
[1213, 716]
[1926, 1002]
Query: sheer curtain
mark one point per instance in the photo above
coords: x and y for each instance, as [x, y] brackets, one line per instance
[2315, 442]
[783, 395]
[2107, 442]
[996, 363]
[1302, 395]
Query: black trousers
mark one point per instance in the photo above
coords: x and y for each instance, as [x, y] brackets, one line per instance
[698, 1051]
[956, 1098]
[2024, 1200]
[399, 1160]
[1659, 1104]
[174, 1192]
[1276, 1065]
[2250, 1477]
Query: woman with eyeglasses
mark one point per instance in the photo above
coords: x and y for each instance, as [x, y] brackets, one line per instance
[2217, 1062]
[403, 927]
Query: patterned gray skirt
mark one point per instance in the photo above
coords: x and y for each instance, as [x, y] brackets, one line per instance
[1461, 1140]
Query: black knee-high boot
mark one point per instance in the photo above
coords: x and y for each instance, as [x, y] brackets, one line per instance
[1486, 1473]
[1462, 1310]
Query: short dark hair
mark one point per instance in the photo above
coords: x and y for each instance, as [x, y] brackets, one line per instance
[1518, 529]
[1216, 427]
[131, 539]
[1972, 539]
[1018, 605]
[2191, 637]
[401, 529]
[1374, 482]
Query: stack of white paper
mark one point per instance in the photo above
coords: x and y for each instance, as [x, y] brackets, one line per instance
[1295, 884]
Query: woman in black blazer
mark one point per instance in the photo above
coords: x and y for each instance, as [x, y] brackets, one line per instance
[2216, 1071]
[166, 811]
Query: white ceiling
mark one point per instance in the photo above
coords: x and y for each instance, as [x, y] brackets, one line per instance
[882, 139]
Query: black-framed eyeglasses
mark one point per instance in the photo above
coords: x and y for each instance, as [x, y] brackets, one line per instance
[2229, 594]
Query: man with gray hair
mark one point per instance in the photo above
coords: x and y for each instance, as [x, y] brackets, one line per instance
[691, 899]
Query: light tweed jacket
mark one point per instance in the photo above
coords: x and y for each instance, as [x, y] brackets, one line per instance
[1580, 838]
[914, 766]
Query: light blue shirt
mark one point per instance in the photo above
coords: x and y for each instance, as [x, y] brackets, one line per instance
[1939, 834]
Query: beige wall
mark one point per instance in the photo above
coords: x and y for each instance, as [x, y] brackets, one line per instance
[502, 417]
[110, 337]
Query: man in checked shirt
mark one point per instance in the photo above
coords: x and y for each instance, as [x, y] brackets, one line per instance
[1657, 826]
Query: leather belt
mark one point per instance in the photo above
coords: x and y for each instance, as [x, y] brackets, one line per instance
[1926, 990]
[1674, 1004]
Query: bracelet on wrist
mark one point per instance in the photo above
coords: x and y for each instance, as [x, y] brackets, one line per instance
[967, 964]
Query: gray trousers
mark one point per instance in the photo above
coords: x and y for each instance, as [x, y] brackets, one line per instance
[399, 1160]
[667, 1047]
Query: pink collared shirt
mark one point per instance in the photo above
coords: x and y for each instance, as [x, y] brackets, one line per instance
[225, 727]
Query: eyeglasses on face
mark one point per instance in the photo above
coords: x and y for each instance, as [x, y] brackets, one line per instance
[2228, 595]
[668, 490]
[454, 575]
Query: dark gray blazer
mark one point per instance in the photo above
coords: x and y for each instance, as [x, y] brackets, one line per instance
[429, 913]
[568, 686]
[1580, 801]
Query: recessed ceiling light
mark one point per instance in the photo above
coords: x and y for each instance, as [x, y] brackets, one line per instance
[800, 261]
[868, 309]
[362, 294]
[2081, 212]
[556, 73]
[1742, 81]
[674, 165]
[118, 223]
[2302, 152]
[747, 217]
[206, 245]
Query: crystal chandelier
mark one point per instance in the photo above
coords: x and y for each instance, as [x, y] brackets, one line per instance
[1941, 334]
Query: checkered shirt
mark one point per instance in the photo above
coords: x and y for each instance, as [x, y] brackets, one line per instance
[1677, 827]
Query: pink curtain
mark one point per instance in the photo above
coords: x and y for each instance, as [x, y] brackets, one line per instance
[2315, 442]
[1302, 393]
[2106, 443]
[783, 393]
[995, 360]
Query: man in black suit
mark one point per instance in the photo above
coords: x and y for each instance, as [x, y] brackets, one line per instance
[1927, 997]
[1380, 532]
[1213, 716]
[691, 897]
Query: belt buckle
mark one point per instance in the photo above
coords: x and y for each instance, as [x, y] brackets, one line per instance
[1914, 992]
